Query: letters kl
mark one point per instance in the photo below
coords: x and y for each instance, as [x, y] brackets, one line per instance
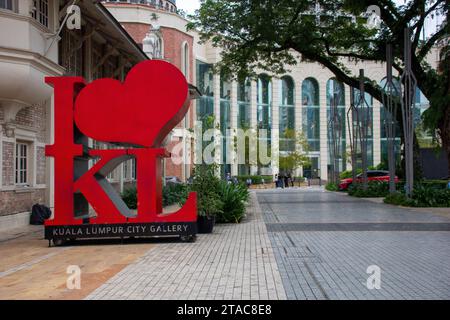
[136, 116]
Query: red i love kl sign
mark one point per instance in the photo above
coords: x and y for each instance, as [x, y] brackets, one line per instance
[137, 115]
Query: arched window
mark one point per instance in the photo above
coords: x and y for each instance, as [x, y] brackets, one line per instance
[244, 98]
[287, 114]
[368, 115]
[384, 117]
[185, 60]
[337, 119]
[264, 116]
[311, 113]
[244, 108]
[153, 44]
[264, 100]
[205, 83]
[335, 93]
[425, 137]
[225, 121]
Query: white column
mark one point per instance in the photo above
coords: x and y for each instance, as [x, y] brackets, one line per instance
[234, 115]
[275, 125]
[218, 136]
[298, 117]
[323, 132]
[253, 117]
[347, 128]
[34, 163]
[376, 132]
[50, 162]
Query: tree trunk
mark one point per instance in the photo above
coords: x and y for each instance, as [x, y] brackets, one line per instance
[444, 133]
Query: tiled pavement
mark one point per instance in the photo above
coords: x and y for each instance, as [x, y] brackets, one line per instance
[318, 261]
[311, 245]
[235, 262]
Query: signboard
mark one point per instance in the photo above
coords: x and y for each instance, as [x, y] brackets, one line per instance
[136, 116]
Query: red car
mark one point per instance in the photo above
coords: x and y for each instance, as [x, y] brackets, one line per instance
[372, 175]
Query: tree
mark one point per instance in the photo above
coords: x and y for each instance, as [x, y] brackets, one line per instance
[273, 35]
[298, 157]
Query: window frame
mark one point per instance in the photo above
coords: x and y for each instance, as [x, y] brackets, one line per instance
[185, 59]
[18, 164]
[13, 5]
[39, 14]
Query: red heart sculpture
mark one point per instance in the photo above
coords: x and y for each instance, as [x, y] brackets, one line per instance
[141, 111]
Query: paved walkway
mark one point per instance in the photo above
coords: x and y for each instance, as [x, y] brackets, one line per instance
[295, 244]
[235, 262]
[324, 242]
[29, 269]
[299, 244]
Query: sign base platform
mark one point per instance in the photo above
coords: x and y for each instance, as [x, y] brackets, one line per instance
[59, 234]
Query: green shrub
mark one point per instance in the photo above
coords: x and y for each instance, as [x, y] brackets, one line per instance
[174, 194]
[375, 189]
[234, 198]
[348, 174]
[436, 184]
[255, 179]
[423, 196]
[430, 196]
[331, 186]
[129, 196]
[397, 198]
[207, 184]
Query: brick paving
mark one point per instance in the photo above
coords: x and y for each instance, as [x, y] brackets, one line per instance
[331, 240]
[299, 244]
[235, 262]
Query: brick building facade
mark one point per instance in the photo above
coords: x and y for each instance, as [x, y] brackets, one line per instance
[101, 48]
[177, 48]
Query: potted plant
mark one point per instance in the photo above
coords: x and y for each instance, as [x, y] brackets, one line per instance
[205, 224]
[209, 203]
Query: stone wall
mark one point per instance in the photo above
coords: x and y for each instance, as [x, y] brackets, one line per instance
[20, 201]
[14, 199]
[7, 163]
[34, 118]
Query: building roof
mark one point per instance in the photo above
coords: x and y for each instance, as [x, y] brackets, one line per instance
[129, 43]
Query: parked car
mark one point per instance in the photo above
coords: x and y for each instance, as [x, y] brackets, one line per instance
[372, 175]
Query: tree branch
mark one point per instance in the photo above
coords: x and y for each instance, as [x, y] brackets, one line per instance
[430, 43]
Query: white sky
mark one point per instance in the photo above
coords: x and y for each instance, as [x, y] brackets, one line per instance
[188, 5]
[191, 5]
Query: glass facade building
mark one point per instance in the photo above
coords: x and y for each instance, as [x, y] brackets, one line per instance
[337, 116]
[286, 114]
[271, 104]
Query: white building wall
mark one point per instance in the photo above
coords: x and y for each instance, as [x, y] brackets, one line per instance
[275, 132]
[234, 115]
[206, 53]
[253, 116]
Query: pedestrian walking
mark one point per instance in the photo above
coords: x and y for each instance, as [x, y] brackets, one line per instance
[281, 181]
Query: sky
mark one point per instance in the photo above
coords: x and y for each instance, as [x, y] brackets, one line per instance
[190, 6]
